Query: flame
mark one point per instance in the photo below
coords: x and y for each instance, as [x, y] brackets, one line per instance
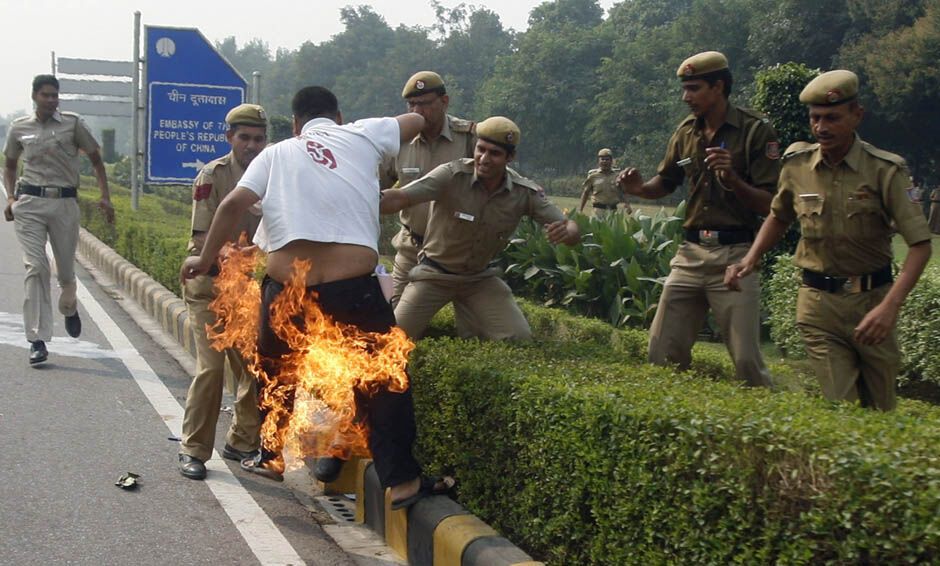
[310, 404]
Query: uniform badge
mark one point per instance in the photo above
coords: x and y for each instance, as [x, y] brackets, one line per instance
[419, 85]
[834, 95]
[201, 192]
[261, 114]
[773, 150]
[509, 137]
[689, 70]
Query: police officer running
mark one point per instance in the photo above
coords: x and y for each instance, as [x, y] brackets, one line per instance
[44, 206]
[731, 158]
[602, 188]
[846, 194]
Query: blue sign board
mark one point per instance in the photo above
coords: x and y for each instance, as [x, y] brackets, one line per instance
[190, 89]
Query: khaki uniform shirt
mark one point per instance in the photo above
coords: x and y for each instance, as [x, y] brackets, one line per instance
[50, 148]
[468, 225]
[709, 205]
[420, 156]
[217, 179]
[846, 210]
[603, 186]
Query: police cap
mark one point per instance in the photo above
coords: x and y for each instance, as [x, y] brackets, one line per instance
[605, 153]
[829, 89]
[246, 115]
[701, 64]
[500, 130]
[423, 82]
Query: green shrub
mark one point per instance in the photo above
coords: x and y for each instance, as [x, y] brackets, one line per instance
[779, 299]
[615, 273]
[589, 459]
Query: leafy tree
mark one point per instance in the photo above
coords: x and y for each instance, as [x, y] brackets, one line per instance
[777, 95]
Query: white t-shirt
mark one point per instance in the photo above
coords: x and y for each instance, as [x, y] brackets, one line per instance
[322, 185]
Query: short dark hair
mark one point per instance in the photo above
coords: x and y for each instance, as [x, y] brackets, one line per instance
[719, 75]
[40, 81]
[314, 102]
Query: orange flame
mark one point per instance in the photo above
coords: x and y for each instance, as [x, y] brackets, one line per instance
[311, 403]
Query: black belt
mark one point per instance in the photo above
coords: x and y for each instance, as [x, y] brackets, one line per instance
[604, 206]
[854, 284]
[431, 263]
[47, 192]
[416, 238]
[719, 237]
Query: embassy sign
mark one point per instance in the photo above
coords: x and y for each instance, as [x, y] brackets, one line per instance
[190, 87]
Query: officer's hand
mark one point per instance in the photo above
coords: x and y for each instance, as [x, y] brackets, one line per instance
[735, 272]
[193, 266]
[631, 181]
[876, 325]
[107, 209]
[719, 160]
[8, 211]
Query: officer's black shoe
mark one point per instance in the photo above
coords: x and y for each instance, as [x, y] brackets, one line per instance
[37, 352]
[192, 467]
[230, 453]
[328, 469]
[73, 325]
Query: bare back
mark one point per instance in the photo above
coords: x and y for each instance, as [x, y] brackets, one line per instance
[329, 261]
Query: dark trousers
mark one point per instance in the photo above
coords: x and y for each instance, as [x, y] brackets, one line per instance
[358, 302]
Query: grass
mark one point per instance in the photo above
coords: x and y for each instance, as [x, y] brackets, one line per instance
[571, 203]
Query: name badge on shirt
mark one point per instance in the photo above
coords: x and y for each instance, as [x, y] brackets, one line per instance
[809, 196]
[464, 216]
[410, 170]
[684, 162]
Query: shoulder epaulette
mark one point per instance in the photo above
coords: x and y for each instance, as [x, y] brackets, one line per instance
[20, 119]
[885, 155]
[592, 171]
[70, 114]
[518, 179]
[462, 126]
[797, 148]
[463, 165]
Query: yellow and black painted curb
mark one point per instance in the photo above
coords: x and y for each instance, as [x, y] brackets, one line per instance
[436, 531]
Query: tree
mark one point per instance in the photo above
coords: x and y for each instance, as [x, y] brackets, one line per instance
[777, 94]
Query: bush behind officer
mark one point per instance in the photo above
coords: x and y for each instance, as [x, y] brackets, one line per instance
[602, 188]
[730, 156]
[43, 204]
[846, 194]
[247, 134]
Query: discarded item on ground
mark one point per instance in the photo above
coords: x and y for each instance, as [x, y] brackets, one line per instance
[129, 480]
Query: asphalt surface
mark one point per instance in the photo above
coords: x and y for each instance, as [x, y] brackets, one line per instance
[71, 427]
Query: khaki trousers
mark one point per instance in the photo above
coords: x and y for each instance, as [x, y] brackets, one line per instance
[695, 284]
[847, 370]
[406, 258]
[204, 398]
[37, 219]
[483, 297]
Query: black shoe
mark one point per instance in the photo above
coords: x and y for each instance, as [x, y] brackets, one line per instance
[73, 325]
[37, 352]
[192, 467]
[230, 453]
[328, 469]
[265, 468]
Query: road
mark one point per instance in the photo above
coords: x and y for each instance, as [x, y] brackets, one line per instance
[108, 403]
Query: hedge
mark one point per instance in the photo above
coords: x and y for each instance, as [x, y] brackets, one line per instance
[590, 456]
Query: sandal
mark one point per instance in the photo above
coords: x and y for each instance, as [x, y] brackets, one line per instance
[258, 466]
[429, 486]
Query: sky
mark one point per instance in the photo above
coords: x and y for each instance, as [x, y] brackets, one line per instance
[104, 29]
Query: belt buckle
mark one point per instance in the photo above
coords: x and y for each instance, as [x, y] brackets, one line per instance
[51, 192]
[852, 285]
[708, 237]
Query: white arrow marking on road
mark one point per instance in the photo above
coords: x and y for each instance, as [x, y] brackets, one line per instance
[12, 333]
[197, 165]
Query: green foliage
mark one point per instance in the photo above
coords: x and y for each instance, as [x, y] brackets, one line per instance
[615, 273]
[280, 128]
[593, 458]
[777, 95]
[779, 299]
[153, 238]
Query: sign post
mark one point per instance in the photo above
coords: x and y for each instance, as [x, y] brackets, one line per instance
[190, 87]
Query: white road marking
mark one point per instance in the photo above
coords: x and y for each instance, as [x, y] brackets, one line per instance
[265, 540]
[13, 334]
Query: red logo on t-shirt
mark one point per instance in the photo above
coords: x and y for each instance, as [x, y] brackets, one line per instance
[321, 154]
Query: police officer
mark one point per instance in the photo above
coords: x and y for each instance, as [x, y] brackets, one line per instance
[247, 134]
[934, 214]
[731, 157]
[443, 139]
[478, 205]
[846, 194]
[601, 186]
[44, 206]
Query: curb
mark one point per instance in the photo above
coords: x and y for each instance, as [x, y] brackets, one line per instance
[436, 531]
